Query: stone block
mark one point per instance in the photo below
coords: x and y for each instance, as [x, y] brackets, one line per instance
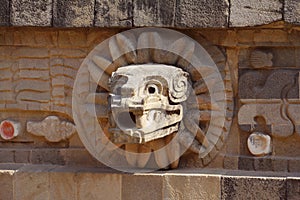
[6, 156]
[292, 11]
[280, 164]
[246, 163]
[194, 13]
[293, 188]
[294, 165]
[142, 187]
[4, 13]
[28, 37]
[72, 39]
[263, 164]
[113, 13]
[6, 37]
[100, 186]
[80, 156]
[231, 162]
[270, 36]
[79, 13]
[154, 13]
[192, 187]
[62, 185]
[6, 182]
[46, 156]
[22, 156]
[257, 12]
[241, 187]
[32, 182]
[28, 52]
[31, 13]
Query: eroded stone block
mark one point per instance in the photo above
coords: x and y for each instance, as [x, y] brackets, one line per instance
[31, 13]
[62, 185]
[113, 13]
[6, 182]
[194, 13]
[4, 13]
[154, 13]
[292, 11]
[192, 187]
[79, 13]
[142, 186]
[102, 186]
[251, 13]
[238, 187]
[266, 84]
[293, 188]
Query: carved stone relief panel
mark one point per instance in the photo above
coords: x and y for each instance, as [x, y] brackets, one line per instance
[146, 96]
[269, 98]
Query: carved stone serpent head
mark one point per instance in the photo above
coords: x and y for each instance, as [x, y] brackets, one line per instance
[145, 102]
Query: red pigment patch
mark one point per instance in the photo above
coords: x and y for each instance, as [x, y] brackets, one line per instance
[7, 129]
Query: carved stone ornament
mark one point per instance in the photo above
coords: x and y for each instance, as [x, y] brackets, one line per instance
[259, 144]
[9, 129]
[146, 96]
[52, 128]
[145, 102]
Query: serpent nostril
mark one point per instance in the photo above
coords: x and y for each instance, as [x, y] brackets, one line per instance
[128, 92]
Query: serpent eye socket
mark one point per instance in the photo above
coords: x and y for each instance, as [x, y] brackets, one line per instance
[152, 89]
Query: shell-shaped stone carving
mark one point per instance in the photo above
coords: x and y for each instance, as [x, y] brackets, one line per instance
[259, 144]
[52, 128]
[260, 59]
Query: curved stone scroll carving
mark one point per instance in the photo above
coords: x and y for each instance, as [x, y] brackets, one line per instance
[274, 97]
[52, 128]
[206, 112]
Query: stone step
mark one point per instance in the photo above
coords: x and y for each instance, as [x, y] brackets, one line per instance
[60, 182]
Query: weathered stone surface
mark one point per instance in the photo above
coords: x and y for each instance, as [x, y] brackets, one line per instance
[62, 185]
[4, 13]
[79, 13]
[184, 13]
[31, 13]
[272, 58]
[259, 144]
[6, 182]
[292, 11]
[101, 186]
[192, 187]
[238, 187]
[246, 163]
[251, 13]
[269, 84]
[52, 128]
[293, 188]
[113, 13]
[154, 13]
[142, 186]
[194, 13]
[32, 182]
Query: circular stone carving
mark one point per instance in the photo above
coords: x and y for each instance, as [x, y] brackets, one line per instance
[207, 111]
[259, 144]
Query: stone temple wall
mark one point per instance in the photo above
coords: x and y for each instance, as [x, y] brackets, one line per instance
[136, 13]
[42, 45]
[39, 65]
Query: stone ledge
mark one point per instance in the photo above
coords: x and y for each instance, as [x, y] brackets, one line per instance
[135, 13]
[61, 182]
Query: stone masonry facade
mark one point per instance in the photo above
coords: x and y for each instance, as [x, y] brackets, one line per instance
[59, 53]
[136, 13]
[43, 44]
